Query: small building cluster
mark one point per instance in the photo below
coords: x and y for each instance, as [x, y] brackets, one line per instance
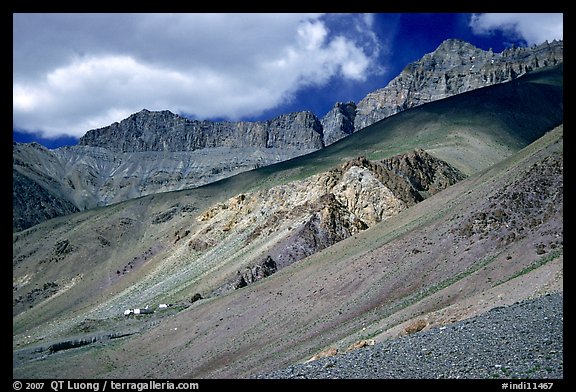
[145, 310]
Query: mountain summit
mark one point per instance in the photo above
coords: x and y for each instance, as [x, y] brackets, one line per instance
[164, 131]
[455, 67]
[158, 151]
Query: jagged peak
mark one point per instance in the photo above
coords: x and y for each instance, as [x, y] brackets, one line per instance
[339, 104]
[452, 43]
[295, 114]
[164, 113]
[31, 144]
[146, 112]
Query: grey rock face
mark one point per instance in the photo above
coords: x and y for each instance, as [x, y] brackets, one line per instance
[453, 68]
[150, 152]
[426, 174]
[260, 271]
[33, 203]
[166, 131]
[76, 178]
[339, 122]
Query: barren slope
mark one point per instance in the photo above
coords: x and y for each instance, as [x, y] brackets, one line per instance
[74, 276]
[477, 240]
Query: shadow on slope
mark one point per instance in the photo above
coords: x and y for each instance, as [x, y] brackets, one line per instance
[478, 235]
[470, 131]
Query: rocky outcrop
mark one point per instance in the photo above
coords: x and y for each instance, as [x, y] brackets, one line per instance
[453, 68]
[168, 132]
[329, 222]
[411, 177]
[395, 181]
[253, 274]
[366, 193]
[339, 122]
[426, 174]
[301, 218]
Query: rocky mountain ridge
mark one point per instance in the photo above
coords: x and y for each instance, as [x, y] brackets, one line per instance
[165, 131]
[453, 68]
[152, 152]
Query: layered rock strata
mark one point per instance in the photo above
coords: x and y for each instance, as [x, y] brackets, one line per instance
[453, 68]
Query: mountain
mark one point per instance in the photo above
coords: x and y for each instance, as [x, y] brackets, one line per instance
[429, 216]
[147, 153]
[166, 131]
[453, 68]
[36, 195]
[152, 152]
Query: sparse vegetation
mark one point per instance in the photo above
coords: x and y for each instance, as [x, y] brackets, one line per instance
[364, 281]
[540, 262]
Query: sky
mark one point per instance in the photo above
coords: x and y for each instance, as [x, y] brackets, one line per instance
[77, 72]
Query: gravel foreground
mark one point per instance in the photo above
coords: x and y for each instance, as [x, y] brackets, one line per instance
[520, 341]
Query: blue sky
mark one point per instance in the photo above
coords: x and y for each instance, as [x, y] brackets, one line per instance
[76, 72]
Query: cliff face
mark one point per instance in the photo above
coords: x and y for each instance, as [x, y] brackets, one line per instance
[338, 122]
[32, 203]
[151, 152]
[426, 174]
[168, 132]
[453, 68]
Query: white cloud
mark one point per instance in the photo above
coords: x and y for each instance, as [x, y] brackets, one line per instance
[312, 35]
[531, 27]
[75, 72]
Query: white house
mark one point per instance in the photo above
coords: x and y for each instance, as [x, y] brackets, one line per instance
[146, 310]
